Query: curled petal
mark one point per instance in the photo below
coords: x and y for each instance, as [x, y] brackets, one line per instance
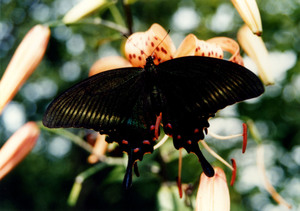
[230, 46]
[17, 147]
[155, 42]
[24, 61]
[192, 46]
[108, 63]
[213, 193]
[255, 48]
[84, 8]
[249, 12]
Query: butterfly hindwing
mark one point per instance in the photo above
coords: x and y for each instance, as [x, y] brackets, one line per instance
[195, 88]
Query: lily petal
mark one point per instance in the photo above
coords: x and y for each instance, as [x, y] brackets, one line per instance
[249, 12]
[192, 46]
[155, 42]
[17, 147]
[24, 61]
[84, 8]
[99, 149]
[255, 48]
[229, 45]
[213, 193]
[108, 63]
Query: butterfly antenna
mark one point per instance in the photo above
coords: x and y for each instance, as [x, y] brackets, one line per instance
[168, 32]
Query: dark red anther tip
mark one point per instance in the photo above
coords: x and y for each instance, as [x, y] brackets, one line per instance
[245, 137]
[233, 172]
[178, 181]
[157, 123]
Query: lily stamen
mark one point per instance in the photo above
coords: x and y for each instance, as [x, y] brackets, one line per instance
[178, 180]
[233, 172]
[161, 142]
[216, 136]
[213, 153]
[269, 187]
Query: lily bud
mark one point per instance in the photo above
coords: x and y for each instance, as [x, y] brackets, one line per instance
[17, 147]
[213, 193]
[249, 12]
[82, 9]
[24, 61]
[255, 48]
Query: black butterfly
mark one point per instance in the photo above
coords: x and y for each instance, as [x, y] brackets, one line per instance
[125, 103]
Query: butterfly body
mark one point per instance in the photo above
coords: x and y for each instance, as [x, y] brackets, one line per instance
[125, 103]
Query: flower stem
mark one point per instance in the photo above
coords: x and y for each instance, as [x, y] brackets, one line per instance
[72, 137]
[254, 131]
[76, 189]
[93, 21]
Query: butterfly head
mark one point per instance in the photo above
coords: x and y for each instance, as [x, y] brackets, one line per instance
[155, 42]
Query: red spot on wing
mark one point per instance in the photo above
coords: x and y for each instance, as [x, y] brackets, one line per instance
[146, 142]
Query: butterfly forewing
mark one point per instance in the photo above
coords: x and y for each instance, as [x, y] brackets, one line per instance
[101, 102]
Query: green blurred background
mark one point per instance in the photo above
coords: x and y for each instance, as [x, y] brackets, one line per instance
[43, 181]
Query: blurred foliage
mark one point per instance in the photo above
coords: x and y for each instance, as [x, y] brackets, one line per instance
[44, 179]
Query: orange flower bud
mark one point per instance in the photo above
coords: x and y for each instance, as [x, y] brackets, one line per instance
[213, 193]
[108, 63]
[17, 147]
[24, 61]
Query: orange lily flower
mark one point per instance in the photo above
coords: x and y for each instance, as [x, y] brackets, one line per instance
[17, 147]
[24, 61]
[213, 193]
[157, 43]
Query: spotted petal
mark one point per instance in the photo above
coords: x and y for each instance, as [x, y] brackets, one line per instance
[154, 42]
